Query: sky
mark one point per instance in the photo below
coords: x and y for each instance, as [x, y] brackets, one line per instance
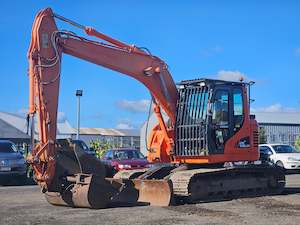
[259, 40]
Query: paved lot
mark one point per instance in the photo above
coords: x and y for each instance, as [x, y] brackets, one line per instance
[25, 205]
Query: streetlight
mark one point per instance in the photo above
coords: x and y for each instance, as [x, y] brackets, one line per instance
[78, 95]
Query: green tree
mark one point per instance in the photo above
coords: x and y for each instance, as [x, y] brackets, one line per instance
[262, 136]
[100, 147]
[297, 143]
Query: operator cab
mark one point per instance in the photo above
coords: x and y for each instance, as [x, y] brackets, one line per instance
[209, 113]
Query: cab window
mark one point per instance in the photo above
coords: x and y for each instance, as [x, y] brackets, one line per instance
[220, 115]
[238, 110]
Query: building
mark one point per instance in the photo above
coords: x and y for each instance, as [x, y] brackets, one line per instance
[279, 127]
[14, 127]
[9, 132]
[118, 138]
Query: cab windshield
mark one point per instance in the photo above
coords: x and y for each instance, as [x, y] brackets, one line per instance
[284, 149]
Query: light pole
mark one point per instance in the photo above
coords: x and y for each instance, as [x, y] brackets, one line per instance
[78, 95]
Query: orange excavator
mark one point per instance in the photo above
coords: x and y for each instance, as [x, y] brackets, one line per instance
[205, 149]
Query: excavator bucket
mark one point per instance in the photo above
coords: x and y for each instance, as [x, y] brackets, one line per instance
[88, 183]
[90, 191]
[83, 190]
[155, 192]
[144, 192]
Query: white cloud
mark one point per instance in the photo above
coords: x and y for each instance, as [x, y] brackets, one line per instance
[277, 107]
[22, 112]
[134, 106]
[127, 123]
[123, 125]
[231, 75]
[61, 117]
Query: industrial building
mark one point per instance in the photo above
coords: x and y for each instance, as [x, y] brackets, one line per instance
[279, 127]
[119, 138]
[14, 127]
[9, 132]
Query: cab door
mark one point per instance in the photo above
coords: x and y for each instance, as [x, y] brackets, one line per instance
[219, 128]
[226, 117]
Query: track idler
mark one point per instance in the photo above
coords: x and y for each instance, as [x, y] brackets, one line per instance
[92, 191]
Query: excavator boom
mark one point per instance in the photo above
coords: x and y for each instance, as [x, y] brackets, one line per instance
[45, 54]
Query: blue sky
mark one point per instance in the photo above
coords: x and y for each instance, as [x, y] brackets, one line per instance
[217, 39]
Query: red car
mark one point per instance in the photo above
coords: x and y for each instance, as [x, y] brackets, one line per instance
[125, 159]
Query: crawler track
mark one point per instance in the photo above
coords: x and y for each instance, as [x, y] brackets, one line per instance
[223, 183]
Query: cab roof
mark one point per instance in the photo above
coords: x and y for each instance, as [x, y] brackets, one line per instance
[214, 82]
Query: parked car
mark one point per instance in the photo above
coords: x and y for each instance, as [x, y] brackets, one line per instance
[282, 155]
[125, 159]
[12, 163]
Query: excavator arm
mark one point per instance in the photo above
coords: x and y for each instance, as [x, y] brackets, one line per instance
[55, 168]
[45, 53]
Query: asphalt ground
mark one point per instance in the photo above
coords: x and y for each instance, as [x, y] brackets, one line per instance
[26, 205]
